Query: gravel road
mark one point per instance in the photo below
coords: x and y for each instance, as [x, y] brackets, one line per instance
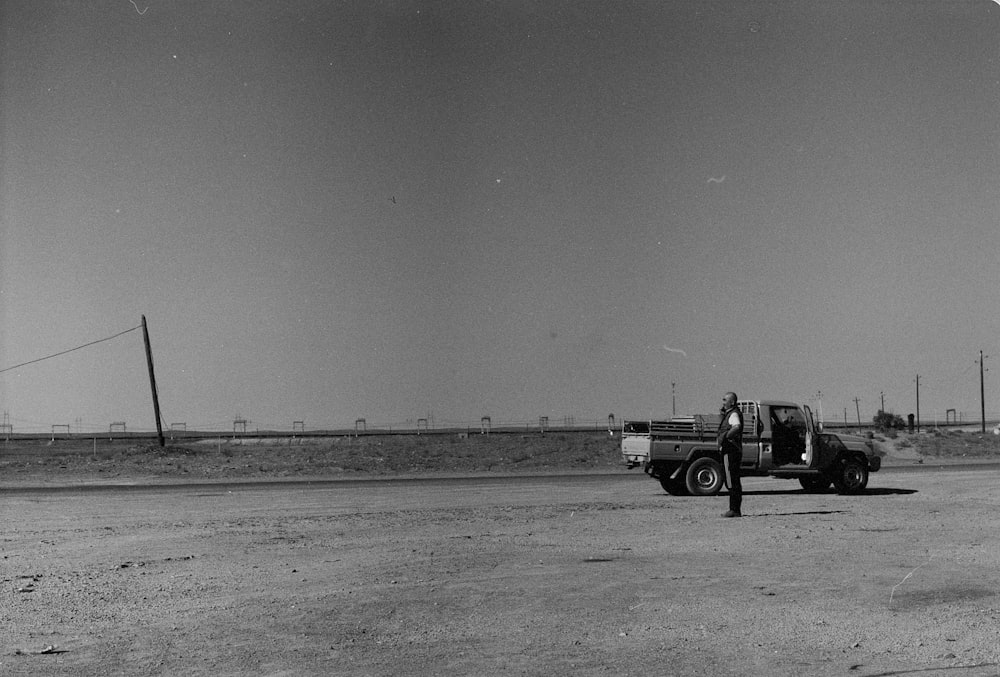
[582, 574]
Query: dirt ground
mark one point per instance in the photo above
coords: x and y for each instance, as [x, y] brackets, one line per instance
[596, 573]
[435, 556]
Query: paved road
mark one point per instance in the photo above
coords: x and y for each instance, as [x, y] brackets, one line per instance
[376, 484]
[338, 497]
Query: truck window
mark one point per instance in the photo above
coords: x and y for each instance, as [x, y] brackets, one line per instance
[636, 428]
[749, 412]
[790, 417]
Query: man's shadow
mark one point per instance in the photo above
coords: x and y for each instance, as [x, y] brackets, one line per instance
[878, 491]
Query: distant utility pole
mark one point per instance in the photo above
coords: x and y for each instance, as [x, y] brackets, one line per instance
[857, 408]
[982, 390]
[882, 395]
[918, 402]
[673, 398]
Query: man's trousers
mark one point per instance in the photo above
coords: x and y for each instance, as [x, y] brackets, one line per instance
[731, 464]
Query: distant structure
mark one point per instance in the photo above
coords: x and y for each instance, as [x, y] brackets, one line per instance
[6, 429]
[239, 425]
[59, 428]
[360, 425]
[543, 423]
[422, 422]
[116, 427]
[298, 426]
[485, 424]
[177, 427]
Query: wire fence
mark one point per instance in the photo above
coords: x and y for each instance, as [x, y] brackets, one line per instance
[12, 428]
[244, 427]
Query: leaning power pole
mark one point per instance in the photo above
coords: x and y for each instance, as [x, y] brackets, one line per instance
[152, 383]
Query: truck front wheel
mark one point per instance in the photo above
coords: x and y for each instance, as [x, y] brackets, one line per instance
[675, 487]
[851, 477]
[704, 477]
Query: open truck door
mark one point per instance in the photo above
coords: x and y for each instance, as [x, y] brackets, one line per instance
[811, 458]
[822, 449]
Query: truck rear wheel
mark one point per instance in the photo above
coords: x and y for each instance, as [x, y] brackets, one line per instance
[704, 477]
[851, 477]
[675, 487]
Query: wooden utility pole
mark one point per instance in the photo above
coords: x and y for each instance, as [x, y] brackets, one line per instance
[918, 402]
[982, 391]
[152, 383]
[857, 408]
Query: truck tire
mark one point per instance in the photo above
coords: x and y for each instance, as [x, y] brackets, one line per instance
[815, 484]
[704, 477]
[674, 487]
[851, 476]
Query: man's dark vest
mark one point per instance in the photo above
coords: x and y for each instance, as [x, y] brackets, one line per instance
[731, 445]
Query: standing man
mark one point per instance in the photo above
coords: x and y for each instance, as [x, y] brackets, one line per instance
[731, 447]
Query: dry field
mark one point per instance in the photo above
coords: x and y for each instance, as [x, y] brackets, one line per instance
[100, 460]
[122, 460]
[430, 557]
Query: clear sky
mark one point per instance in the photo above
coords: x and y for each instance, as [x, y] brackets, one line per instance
[452, 209]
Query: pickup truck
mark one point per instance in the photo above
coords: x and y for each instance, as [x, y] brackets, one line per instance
[780, 439]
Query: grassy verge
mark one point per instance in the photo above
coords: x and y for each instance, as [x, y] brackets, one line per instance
[958, 444]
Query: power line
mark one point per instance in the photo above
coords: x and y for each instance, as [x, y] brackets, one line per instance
[85, 345]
